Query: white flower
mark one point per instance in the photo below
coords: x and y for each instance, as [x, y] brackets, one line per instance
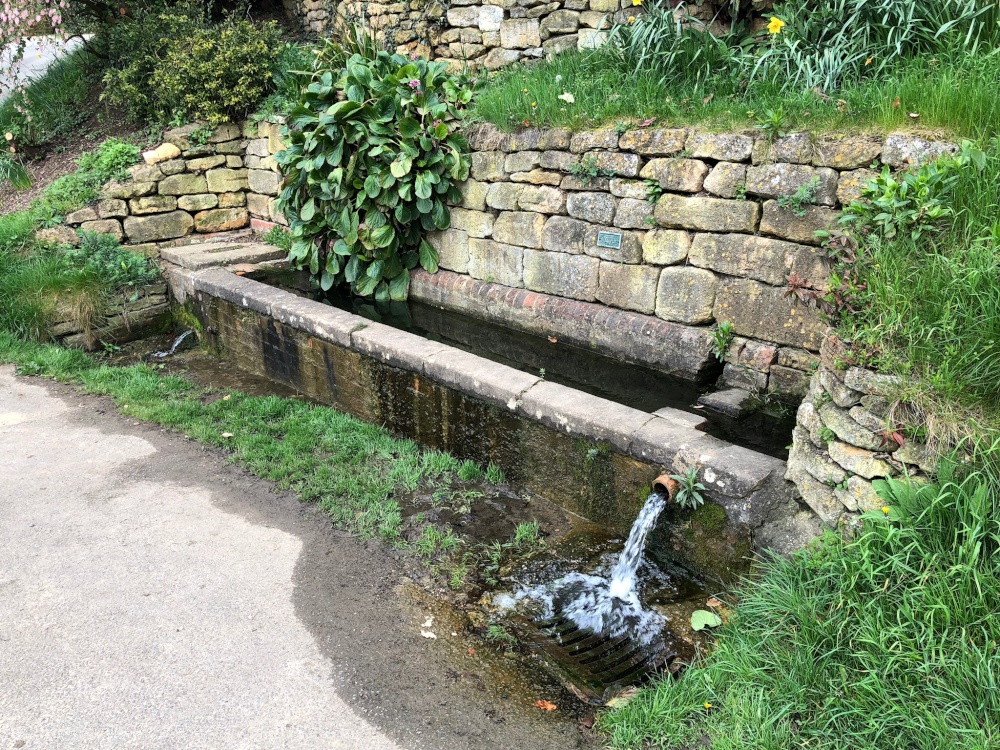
[567, 97]
[558, 79]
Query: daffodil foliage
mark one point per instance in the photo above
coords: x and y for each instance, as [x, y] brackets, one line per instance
[373, 157]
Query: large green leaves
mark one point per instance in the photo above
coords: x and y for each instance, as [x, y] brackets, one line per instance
[373, 158]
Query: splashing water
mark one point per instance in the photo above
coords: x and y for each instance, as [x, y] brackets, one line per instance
[608, 605]
[173, 348]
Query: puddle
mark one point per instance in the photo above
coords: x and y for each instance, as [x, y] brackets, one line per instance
[632, 385]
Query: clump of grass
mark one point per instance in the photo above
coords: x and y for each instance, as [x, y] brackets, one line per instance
[886, 640]
[278, 237]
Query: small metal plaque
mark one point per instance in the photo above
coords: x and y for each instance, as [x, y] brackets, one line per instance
[610, 239]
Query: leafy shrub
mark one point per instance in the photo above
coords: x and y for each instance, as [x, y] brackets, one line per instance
[110, 161]
[118, 267]
[373, 155]
[292, 70]
[176, 65]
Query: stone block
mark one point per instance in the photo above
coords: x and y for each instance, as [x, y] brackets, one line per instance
[467, 16]
[257, 147]
[850, 184]
[593, 19]
[496, 262]
[784, 223]
[490, 17]
[227, 200]
[628, 287]
[846, 151]
[559, 22]
[498, 57]
[225, 180]
[112, 208]
[584, 183]
[768, 260]
[565, 235]
[815, 461]
[153, 204]
[561, 161]
[629, 250]
[104, 226]
[221, 219]
[629, 189]
[557, 44]
[815, 494]
[538, 177]
[634, 214]
[872, 383]
[731, 402]
[204, 163]
[707, 214]
[783, 180]
[257, 205]
[902, 150]
[476, 224]
[740, 376]
[488, 166]
[126, 190]
[839, 393]
[868, 420]
[161, 153]
[859, 461]
[227, 131]
[542, 199]
[231, 148]
[148, 173]
[788, 383]
[720, 146]
[474, 195]
[554, 139]
[591, 39]
[521, 228]
[589, 140]
[686, 295]
[665, 247]
[677, 175]
[520, 33]
[846, 429]
[562, 274]
[262, 181]
[794, 148]
[234, 162]
[653, 141]
[605, 6]
[78, 217]
[765, 312]
[183, 184]
[522, 161]
[174, 166]
[798, 359]
[158, 226]
[193, 203]
[727, 179]
[503, 196]
[859, 496]
[452, 246]
[622, 165]
[598, 208]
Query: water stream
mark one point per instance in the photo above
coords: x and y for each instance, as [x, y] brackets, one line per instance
[606, 601]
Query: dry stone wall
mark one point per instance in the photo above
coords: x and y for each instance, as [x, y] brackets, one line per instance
[482, 33]
[843, 439]
[192, 185]
[569, 214]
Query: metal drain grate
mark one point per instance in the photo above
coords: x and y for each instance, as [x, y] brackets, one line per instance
[594, 666]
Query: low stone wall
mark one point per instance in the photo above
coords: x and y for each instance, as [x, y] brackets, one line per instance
[192, 186]
[568, 214]
[480, 33]
[843, 440]
[124, 318]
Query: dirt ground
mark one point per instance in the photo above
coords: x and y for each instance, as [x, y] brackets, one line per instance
[383, 683]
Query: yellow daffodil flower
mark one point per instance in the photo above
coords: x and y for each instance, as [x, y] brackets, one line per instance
[885, 510]
[775, 26]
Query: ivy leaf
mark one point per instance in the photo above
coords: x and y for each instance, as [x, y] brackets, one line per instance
[428, 257]
[702, 618]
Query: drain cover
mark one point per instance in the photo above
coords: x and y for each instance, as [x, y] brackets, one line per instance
[596, 667]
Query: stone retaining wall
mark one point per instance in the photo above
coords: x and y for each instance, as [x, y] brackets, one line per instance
[191, 185]
[717, 244]
[481, 33]
[843, 439]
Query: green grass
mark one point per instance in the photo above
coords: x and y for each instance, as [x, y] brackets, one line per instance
[350, 468]
[53, 106]
[889, 640]
[953, 92]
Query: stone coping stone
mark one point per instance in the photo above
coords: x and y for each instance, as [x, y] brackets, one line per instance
[747, 483]
[189, 257]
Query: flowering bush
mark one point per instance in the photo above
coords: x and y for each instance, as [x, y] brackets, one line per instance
[373, 156]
